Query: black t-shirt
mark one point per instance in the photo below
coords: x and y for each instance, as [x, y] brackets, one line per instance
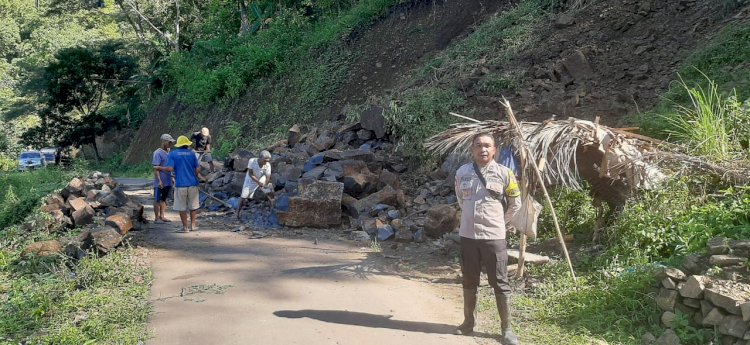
[200, 141]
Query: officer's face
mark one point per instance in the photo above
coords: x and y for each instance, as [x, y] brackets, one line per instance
[483, 150]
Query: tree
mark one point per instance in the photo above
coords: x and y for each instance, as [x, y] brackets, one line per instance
[78, 84]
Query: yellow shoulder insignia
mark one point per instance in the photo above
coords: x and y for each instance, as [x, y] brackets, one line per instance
[512, 190]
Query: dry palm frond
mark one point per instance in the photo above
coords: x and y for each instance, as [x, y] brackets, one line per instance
[558, 143]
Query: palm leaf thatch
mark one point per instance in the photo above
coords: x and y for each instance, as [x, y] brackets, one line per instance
[618, 155]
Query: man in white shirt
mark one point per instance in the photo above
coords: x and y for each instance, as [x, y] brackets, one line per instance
[257, 179]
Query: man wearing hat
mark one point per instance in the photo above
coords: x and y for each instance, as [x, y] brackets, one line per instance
[183, 162]
[162, 178]
[202, 140]
[257, 179]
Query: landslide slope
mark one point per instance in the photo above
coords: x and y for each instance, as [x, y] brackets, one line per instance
[608, 58]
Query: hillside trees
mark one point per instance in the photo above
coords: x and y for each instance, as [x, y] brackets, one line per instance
[77, 85]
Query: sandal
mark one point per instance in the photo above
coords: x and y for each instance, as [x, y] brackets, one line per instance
[183, 231]
[165, 220]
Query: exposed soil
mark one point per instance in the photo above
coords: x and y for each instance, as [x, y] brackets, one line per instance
[633, 49]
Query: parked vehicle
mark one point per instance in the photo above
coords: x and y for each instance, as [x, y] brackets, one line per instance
[30, 160]
[49, 155]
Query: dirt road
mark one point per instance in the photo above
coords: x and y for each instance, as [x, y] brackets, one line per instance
[215, 286]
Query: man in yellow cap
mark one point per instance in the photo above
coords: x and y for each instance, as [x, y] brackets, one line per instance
[183, 162]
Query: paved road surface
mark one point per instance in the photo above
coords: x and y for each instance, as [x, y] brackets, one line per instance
[215, 286]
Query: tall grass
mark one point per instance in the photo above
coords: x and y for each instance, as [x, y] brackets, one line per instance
[711, 124]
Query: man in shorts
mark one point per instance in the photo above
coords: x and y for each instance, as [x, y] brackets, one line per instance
[184, 164]
[257, 179]
[162, 178]
[202, 140]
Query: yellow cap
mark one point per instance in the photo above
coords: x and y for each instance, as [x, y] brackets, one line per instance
[183, 141]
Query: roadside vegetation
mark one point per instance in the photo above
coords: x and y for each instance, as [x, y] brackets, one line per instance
[59, 300]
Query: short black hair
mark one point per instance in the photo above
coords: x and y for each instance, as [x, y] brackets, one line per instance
[484, 134]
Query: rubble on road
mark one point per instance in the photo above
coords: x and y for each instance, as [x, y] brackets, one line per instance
[96, 203]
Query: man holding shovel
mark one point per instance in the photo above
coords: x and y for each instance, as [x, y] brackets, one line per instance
[257, 180]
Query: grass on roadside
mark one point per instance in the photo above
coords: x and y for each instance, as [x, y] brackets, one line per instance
[57, 300]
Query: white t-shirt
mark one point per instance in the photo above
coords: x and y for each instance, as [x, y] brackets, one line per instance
[262, 173]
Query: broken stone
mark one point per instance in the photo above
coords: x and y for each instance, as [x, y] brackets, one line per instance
[666, 299]
[317, 204]
[359, 184]
[358, 154]
[393, 214]
[671, 272]
[74, 187]
[55, 202]
[353, 167]
[315, 173]
[668, 283]
[668, 338]
[42, 249]
[61, 218]
[726, 260]
[419, 236]
[577, 65]
[374, 120]
[77, 203]
[365, 134]
[734, 326]
[360, 236]
[667, 318]
[385, 233]
[348, 201]
[106, 239]
[121, 222]
[706, 307]
[324, 142]
[563, 21]
[404, 236]
[724, 300]
[714, 317]
[745, 308]
[388, 195]
[441, 219]
[388, 178]
[648, 339]
[693, 287]
[116, 198]
[718, 245]
[692, 303]
[293, 136]
[83, 216]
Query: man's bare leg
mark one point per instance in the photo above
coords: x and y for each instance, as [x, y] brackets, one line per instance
[193, 215]
[184, 219]
[239, 208]
[157, 211]
[161, 212]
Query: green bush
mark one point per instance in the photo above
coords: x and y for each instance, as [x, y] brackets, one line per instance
[21, 192]
[672, 221]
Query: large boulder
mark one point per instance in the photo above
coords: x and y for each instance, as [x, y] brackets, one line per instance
[116, 198]
[388, 195]
[317, 204]
[74, 187]
[55, 202]
[77, 203]
[441, 219]
[373, 119]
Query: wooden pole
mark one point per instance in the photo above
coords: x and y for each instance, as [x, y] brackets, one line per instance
[514, 123]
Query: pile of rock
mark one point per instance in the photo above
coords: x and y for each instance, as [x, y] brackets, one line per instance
[96, 203]
[341, 174]
[707, 300]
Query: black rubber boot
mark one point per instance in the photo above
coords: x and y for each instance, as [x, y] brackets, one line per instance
[503, 308]
[470, 305]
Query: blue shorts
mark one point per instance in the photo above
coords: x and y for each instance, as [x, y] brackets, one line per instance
[161, 194]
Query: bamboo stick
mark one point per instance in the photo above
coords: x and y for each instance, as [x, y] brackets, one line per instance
[514, 123]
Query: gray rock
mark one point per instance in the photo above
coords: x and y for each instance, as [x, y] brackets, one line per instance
[668, 338]
[668, 283]
[385, 233]
[365, 134]
[419, 236]
[745, 308]
[394, 214]
[714, 318]
[706, 307]
[563, 21]
[692, 303]
[667, 318]
[360, 236]
[441, 219]
[666, 299]
[387, 195]
[578, 66]
[671, 272]
[718, 245]
[648, 339]
[374, 120]
[734, 326]
[724, 300]
[317, 204]
[404, 236]
[722, 260]
[293, 136]
[693, 287]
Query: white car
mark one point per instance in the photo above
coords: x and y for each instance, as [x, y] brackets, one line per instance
[49, 155]
[30, 160]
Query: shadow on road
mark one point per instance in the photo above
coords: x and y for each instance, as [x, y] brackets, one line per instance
[372, 321]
